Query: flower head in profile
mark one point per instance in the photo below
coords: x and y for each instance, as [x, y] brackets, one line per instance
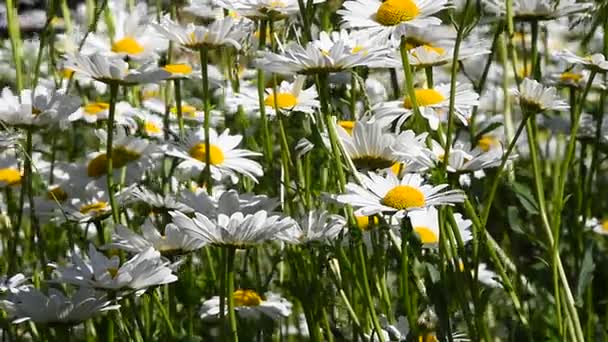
[598, 226]
[425, 224]
[250, 305]
[226, 202]
[10, 172]
[392, 195]
[226, 160]
[13, 284]
[315, 226]
[143, 270]
[536, 98]
[526, 10]
[596, 62]
[263, 9]
[332, 52]
[114, 70]
[222, 32]
[391, 17]
[55, 308]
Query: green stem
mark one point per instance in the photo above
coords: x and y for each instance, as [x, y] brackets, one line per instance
[267, 139]
[204, 54]
[178, 107]
[164, 314]
[367, 292]
[109, 152]
[230, 293]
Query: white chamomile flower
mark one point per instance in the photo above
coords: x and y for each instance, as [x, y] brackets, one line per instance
[598, 226]
[39, 107]
[250, 305]
[433, 103]
[425, 56]
[334, 52]
[464, 159]
[140, 194]
[173, 242]
[595, 62]
[392, 195]
[91, 112]
[425, 223]
[536, 98]
[143, 270]
[56, 307]
[290, 97]
[133, 36]
[191, 111]
[13, 284]
[87, 206]
[368, 146]
[263, 9]
[226, 160]
[391, 17]
[113, 70]
[10, 172]
[226, 202]
[526, 10]
[222, 32]
[235, 230]
[315, 226]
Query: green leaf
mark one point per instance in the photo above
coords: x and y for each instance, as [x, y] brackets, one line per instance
[526, 198]
[514, 220]
[585, 276]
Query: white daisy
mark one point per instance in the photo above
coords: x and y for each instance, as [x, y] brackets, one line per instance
[315, 226]
[236, 230]
[222, 32]
[333, 52]
[391, 17]
[433, 103]
[56, 307]
[173, 242]
[226, 202]
[595, 62]
[10, 172]
[369, 147]
[392, 195]
[428, 55]
[143, 270]
[113, 70]
[151, 125]
[536, 98]
[598, 226]
[137, 194]
[13, 284]
[226, 160]
[526, 10]
[87, 206]
[425, 223]
[250, 305]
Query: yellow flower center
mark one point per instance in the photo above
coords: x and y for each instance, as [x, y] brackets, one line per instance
[364, 222]
[93, 207]
[67, 73]
[605, 225]
[277, 4]
[432, 48]
[97, 167]
[283, 100]
[404, 197]
[397, 167]
[95, 108]
[186, 109]
[199, 152]
[412, 43]
[151, 128]
[359, 48]
[347, 125]
[427, 235]
[394, 12]
[127, 45]
[246, 298]
[10, 176]
[424, 97]
[121, 156]
[184, 69]
[57, 193]
[427, 338]
[487, 142]
[570, 77]
[112, 271]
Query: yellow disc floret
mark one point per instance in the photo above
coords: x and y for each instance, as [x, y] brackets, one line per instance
[183, 69]
[246, 298]
[95, 108]
[10, 176]
[98, 166]
[394, 12]
[427, 235]
[283, 100]
[127, 45]
[199, 152]
[94, 207]
[404, 197]
[424, 97]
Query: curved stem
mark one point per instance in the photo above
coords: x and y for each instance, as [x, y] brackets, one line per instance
[178, 107]
[230, 295]
[204, 52]
[109, 152]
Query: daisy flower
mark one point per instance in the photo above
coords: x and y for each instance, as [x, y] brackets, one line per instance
[173, 242]
[316, 225]
[433, 103]
[333, 52]
[392, 195]
[88, 206]
[391, 17]
[113, 70]
[369, 147]
[94, 112]
[225, 158]
[290, 97]
[226, 202]
[13, 284]
[263, 9]
[536, 98]
[133, 36]
[39, 107]
[600, 227]
[191, 111]
[250, 305]
[428, 56]
[526, 10]
[222, 32]
[595, 62]
[235, 230]
[140, 194]
[143, 270]
[56, 307]
[151, 125]
[425, 223]
[10, 173]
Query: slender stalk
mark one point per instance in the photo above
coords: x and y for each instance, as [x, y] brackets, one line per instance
[109, 152]
[230, 295]
[15, 38]
[368, 294]
[204, 54]
[267, 139]
[178, 107]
